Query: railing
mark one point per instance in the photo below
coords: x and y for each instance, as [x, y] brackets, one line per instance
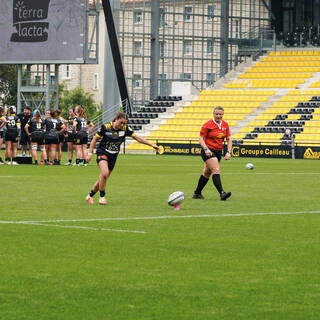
[105, 117]
[257, 40]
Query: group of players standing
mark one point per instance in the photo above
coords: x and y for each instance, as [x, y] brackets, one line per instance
[46, 133]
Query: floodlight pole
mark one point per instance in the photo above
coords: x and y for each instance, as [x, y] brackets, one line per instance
[115, 49]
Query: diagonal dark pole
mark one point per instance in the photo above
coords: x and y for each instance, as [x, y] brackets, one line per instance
[114, 44]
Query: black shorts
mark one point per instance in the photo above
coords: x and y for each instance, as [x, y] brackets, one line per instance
[61, 137]
[105, 156]
[24, 139]
[37, 137]
[81, 138]
[11, 136]
[215, 154]
[70, 137]
[51, 138]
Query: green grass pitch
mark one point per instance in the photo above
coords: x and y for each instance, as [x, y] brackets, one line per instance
[136, 258]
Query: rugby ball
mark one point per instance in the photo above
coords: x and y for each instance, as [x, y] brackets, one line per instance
[249, 166]
[176, 198]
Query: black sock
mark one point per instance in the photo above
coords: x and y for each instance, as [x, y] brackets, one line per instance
[217, 182]
[35, 161]
[15, 159]
[77, 161]
[201, 184]
[70, 160]
[92, 193]
[8, 159]
[102, 193]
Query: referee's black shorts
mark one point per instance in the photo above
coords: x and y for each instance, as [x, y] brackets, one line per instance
[215, 154]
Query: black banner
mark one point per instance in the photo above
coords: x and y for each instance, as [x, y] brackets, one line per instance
[261, 151]
[179, 148]
[307, 153]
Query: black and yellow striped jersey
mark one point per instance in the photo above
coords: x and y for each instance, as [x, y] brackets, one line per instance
[111, 138]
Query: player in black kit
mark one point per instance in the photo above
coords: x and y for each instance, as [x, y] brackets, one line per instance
[24, 117]
[53, 128]
[3, 122]
[70, 137]
[113, 135]
[35, 130]
[80, 127]
[11, 136]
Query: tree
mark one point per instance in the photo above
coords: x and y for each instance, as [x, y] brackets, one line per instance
[8, 84]
[77, 96]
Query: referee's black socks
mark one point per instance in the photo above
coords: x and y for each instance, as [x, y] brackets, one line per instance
[201, 184]
[217, 182]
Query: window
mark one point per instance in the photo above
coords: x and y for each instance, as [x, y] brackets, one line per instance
[163, 17]
[137, 48]
[95, 81]
[137, 81]
[211, 78]
[235, 28]
[210, 47]
[187, 47]
[187, 14]
[67, 71]
[185, 76]
[137, 16]
[163, 49]
[211, 11]
[37, 80]
[52, 80]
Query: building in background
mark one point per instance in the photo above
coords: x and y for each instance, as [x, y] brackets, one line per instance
[189, 48]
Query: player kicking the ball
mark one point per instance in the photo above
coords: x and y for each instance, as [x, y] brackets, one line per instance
[211, 139]
[112, 134]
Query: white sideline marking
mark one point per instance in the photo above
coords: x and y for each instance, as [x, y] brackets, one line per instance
[17, 176]
[164, 217]
[80, 227]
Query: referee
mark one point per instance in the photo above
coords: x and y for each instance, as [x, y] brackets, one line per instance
[212, 135]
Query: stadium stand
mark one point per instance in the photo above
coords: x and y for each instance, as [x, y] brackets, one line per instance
[275, 94]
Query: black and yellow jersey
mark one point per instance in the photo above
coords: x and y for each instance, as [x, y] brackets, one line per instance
[53, 124]
[70, 125]
[13, 122]
[33, 125]
[111, 138]
[82, 124]
[1, 121]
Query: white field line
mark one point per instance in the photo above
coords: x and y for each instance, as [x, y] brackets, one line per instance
[165, 217]
[80, 227]
[17, 176]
